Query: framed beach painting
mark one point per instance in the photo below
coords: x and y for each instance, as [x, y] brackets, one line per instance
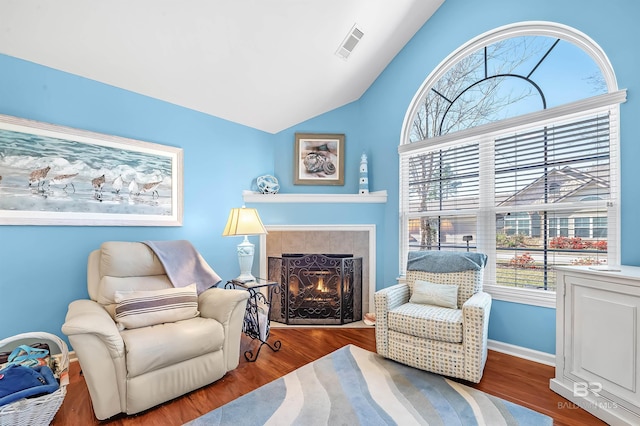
[54, 175]
[319, 159]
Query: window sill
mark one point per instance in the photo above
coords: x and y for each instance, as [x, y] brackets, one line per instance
[372, 197]
[545, 299]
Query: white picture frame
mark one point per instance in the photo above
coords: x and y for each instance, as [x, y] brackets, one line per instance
[55, 175]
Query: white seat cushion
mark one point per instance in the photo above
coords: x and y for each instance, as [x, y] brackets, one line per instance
[158, 346]
[427, 321]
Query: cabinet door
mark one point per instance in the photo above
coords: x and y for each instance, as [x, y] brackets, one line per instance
[602, 345]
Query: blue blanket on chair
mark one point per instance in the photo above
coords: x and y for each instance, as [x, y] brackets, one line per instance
[445, 261]
[183, 264]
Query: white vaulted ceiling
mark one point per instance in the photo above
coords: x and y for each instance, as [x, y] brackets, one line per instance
[267, 64]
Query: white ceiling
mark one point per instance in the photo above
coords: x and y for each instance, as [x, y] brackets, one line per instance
[267, 64]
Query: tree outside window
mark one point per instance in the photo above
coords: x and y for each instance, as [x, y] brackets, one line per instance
[538, 170]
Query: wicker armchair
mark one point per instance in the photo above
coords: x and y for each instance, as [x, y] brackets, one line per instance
[451, 341]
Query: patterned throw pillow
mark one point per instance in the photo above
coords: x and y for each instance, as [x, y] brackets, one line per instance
[426, 293]
[136, 309]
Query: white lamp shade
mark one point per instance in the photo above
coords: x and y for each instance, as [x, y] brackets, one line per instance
[243, 221]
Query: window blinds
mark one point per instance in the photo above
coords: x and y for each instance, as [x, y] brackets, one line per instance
[555, 164]
[527, 179]
[444, 179]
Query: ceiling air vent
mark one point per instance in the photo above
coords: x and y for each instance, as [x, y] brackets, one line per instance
[349, 42]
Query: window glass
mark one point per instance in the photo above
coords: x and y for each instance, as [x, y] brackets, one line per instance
[508, 78]
[582, 227]
[517, 224]
[564, 227]
[542, 188]
[443, 233]
[444, 179]
[600, 227]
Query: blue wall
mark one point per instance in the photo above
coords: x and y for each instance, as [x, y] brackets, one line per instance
[380, 114]
[42, 268]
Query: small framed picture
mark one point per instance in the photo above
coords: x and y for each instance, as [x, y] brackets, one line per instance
[319, 159]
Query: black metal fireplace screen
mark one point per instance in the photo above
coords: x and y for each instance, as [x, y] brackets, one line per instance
[316, 288]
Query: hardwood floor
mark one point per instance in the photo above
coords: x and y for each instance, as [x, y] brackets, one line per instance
[511, 378]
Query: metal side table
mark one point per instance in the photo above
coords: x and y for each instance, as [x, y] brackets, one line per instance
[256, 319]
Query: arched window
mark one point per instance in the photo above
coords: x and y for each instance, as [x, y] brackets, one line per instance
[511, 143]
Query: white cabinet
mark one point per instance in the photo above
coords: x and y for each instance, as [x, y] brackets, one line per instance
[598, 342]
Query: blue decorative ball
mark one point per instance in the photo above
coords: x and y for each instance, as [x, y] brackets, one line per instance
[268, 184]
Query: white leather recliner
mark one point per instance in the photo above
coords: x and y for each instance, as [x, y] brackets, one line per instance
[134, 369]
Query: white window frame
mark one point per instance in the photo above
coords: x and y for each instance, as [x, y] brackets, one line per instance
[485, 134]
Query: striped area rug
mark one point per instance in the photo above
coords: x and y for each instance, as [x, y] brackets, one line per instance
[353, 386]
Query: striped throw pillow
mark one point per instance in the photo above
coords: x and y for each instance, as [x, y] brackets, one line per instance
[136, 309]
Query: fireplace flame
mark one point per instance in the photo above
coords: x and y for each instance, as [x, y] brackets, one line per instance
[320, 285]
[317, 289]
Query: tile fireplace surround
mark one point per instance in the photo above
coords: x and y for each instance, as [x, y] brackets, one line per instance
[358, 240]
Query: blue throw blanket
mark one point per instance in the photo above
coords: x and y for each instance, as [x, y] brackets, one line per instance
[183, 264]
[445, 261]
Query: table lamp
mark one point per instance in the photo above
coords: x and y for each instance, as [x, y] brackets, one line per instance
[244, 222]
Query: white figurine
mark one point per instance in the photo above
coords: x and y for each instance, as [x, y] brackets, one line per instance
[364, 175]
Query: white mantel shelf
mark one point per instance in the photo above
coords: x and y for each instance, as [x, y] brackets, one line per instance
[372, 197]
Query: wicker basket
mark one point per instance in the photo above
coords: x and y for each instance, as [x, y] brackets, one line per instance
[40, 410]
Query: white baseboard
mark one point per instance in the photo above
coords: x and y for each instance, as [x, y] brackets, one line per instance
[521, 352]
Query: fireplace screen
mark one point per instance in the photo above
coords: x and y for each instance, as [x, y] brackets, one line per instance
[317, 288]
